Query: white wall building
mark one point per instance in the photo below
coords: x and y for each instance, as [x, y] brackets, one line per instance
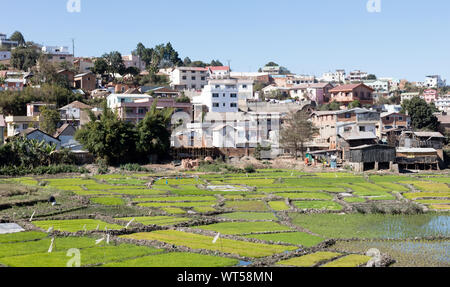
[409, 96]
[434, 81]
[357, 75]
[378, 85]
[5, 55]
[336, 77]
[133, 61]
[443, 103]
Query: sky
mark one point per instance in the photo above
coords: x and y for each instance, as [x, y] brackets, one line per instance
[405, 39]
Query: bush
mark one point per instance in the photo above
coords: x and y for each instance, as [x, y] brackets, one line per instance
[42, 170]
[133, 167]
[249, 169]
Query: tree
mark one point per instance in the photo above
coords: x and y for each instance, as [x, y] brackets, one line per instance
[296, 131]
[24, 58]
[333, 106]
[421, 114]
[109, 138]
[153, 132]
[371, 77]
[49, 120]
[115, 63]
[216, 63]
[187, 62]
[17, 36]
[100, 66]
[47, 73]
[271, 64]
[354, 104]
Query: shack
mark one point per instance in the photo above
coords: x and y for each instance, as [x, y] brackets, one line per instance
[418, 159]
[371, 157]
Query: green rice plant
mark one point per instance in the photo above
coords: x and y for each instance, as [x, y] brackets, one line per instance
[173, 210]
[176, 259]
[309, 260]
[178, 204]
[416, 195]
[327, 205]
[108, 200]
[246, 205]
[137, 191]
[440, 206]
[27, 181]
[22, 236]
[40, 246]
[182, 181]
[251, 181]
[306, 195]
[204, 209]
[175, 199]
[249, 216]
[68, 181]
[353, 260]
[91, 192]
[297, 238]
[156, 220]
[279, 205]
[75, 225]
[196, 241]
[430, 186]
[98, 186]
[244, 227]
[434, 201]
[393, 186]
[89, 256]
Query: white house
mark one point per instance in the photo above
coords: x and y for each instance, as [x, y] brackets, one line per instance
[5, 55]
[434, 81]
[2, 129]
[17, 124]
[378, 85]
[222, 95]
[222, 71]
[72, 112]
[443, 103]
[114, 100]
[409, 96]
[336, 77]
[133, 61]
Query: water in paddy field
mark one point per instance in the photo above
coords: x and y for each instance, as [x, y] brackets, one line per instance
[244, 263]
[404, 226]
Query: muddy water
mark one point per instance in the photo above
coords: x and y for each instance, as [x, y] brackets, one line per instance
[414, 226]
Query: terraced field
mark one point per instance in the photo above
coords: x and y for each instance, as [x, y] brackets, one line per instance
[201, 220]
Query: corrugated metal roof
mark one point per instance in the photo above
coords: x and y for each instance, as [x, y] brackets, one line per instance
[415, 150]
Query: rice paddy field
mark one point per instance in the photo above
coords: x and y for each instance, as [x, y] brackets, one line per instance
[279, 218]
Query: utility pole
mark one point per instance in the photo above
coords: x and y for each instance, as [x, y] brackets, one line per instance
[73, 47]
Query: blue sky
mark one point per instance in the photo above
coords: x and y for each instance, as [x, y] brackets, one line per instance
[407, 39]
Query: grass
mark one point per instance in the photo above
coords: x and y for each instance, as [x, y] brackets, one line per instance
[196, 241]
[21, 236]
[431, 187]
[107, 200]
[178, 204]
[173, 210]
[353, 260]
[204, 209]
[175, 198]
[156, 220]
[326, 205]
[41, 246]
[176, 259]
[416, 195]
[246, 205]
[354, 199]
[279, 205]
[296, 238]
[173, 181]
[309, 260]
[89, 256]
[76, 225]
[244, 227]
[306, 195]
[249, 216]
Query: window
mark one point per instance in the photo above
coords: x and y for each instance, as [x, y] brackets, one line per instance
[193, 78]
[184, 78]
[215, 105]
[223, 104]
[347, 130]
[348, 115]
[215, 95]
[362, 129]
[244, 86]
[233, 95]
[387, 118]
[194, 86]
[233, 105]
[217, 86]
[25, 126]
[203, 78]
[400, 118]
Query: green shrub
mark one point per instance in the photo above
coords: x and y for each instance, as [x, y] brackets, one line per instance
[42, 170]
[249, 168]
[133, 167]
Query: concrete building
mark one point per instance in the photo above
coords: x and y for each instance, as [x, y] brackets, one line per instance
[58, 54]
[38, 135]
[345, 94]
[317, 93]
[16, 124]
[357, 76]
[334, 77]
[409, 96]
[86, 82]
[434, 81]
[5, 43]
[443, 103]
[189, 78]
[133, 61]
[223, 95]
[222, 71]
[2, 129]
[72, 112]
[378, 85]
[83, 65]
[394, 120]
[430, 95]
[34, 108]
[5, 55]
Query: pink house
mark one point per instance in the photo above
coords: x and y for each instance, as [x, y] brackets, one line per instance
[430, 96]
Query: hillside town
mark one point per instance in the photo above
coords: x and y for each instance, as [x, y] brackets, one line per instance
[340, 119]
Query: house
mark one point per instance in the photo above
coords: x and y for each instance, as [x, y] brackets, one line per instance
[83, 65]
[378, 85]
[409, 96]
[58, 54]
[5, 56]
[434, 81]
[394, 120]
[443, 103]
[444, 120]
[69, 75]
[292, 80]
[133, 61]
[2, 129]
[430, 95]
[317, 93]
[86, 82]
[34, 108]
[160, 92]
[37, 134]
[218, 71]
[7, 44]
[185, 78]
[272, 70]
[417, 158]
[346, 94]
[344, 128]
[256, 77]
[14, 84]
[368, 157]
[223, 95]
[357, 76]
[71, 113]
[134, 107]
[434, 140]
[119, 88]
[66, 135]
[17, 124]
[333, 77]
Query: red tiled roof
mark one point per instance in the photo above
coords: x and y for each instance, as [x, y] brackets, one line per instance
[348, 88]
[218, 68]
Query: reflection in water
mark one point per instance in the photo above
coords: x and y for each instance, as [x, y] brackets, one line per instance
[404, 226]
